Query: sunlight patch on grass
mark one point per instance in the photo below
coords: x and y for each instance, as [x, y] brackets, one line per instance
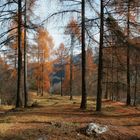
[5, 107]
[5, 120]
[109, 108]
[4, 127]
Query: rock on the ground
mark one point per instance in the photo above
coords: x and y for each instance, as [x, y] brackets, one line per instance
[94, 128]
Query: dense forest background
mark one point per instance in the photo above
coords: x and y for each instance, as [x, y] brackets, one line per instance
[99, 56]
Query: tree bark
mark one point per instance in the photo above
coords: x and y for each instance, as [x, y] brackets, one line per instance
[84, 94]
[112, 75]
[61, 78]
[106, 92]
[38, 77]
[136, 81]
[118, 83]
[71, 66]
[100, 65]
[19, 53]
[25, 59]
[42, 91]
[128, 100]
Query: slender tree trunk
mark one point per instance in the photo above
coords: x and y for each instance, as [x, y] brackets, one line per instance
[71, 66]
[136, 81]
[106, 92]
[61, 78]
[42, 92]
[61, 89]
[19, 53]
[100, 65]
[25, 60]
[38, 77]
[15, 58]
[37, 86]
[42, 89]
[112, 75]
[118, 94]
[128, 100]
[84, 94]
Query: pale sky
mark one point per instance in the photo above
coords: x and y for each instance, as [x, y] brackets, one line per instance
[44, 8]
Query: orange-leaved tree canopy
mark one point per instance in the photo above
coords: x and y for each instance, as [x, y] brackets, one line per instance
[42, 72]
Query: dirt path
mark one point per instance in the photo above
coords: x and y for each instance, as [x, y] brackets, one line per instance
[57, 118]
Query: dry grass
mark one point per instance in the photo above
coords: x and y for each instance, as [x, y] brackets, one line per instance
[57, 118]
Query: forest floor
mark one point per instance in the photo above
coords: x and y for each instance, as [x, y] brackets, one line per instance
[58, 118]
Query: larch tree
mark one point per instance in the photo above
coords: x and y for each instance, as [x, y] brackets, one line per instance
[126, 9]
[61, 54]
[74, 31]
[19, 53]
[100, 65]
[83, 46]
[25, 56]
[45, 45]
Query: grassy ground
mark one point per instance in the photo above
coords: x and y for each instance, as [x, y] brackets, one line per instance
[58, 118]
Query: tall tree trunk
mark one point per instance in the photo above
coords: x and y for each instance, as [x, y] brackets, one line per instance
[25, 59]
[100, 65]
[61, 78]
[128, 100]
[84, 94]
[118, 94]
[19, 53]
[106, 92]
[71, 66]
[136, 81]
[112, 75]
[15, 65]
[42, 91]
[38, 77]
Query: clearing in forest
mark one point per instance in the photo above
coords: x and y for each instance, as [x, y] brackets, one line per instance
[57, 118]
